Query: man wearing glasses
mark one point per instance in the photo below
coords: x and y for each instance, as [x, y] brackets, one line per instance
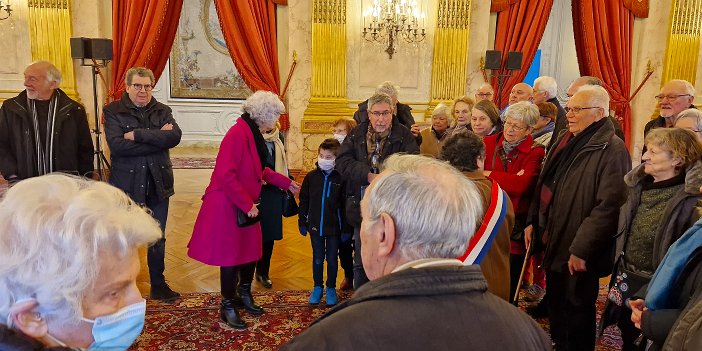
[485, 92]
[675, 96]
[140, 131]
[574, 215]
[360, 160]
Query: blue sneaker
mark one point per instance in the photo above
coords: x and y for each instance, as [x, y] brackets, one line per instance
[316, 295]
[331, 297]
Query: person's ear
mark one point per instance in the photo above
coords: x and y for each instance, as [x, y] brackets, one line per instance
[677, 162]
[480, 162]
[388, 235]
[27, 320]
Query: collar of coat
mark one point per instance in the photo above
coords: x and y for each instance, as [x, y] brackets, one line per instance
[126, 104]
[693, 177]
[19, 102]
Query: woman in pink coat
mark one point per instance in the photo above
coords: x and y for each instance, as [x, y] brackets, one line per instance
[236, 182]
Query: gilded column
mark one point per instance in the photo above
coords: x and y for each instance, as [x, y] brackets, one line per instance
[683, 41]
[328, 98]
[50, 32]
[450, 63]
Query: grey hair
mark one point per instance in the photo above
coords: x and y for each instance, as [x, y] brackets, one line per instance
[141, 72]
[693, 114]
[53, 74]
[378, 98]
[264, 107]
[523, 111]
[597, 96]
[436, 209]
[54, 230]
[442, 109]
[689, 89]
[388, 88]
[547, 84]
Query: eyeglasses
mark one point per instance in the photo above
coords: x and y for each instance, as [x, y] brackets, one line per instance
[578, 109]
[146, 87]
[670, 97]
[380, 113]
[484, 95]
[514, 127]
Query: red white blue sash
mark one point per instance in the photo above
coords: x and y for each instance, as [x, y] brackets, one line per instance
[479, 244]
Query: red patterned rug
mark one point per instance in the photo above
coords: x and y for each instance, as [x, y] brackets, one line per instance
[193, 162]
[192, 323]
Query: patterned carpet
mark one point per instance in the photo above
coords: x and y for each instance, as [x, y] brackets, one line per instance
[193, 162]
[192, 323]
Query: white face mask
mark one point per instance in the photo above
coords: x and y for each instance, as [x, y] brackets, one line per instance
[340, 137]
[325, 165]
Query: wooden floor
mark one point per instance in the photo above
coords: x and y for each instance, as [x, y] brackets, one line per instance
[291, 265]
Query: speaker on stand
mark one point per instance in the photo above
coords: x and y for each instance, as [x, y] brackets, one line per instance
[493, 61]
[95, 53]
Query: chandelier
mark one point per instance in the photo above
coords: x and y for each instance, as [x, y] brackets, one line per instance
[386, 21]
[6, 9]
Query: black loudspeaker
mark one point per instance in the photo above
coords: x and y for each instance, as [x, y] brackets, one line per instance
[79, 46]
[89, 48]
[493, 59]
[514, 60]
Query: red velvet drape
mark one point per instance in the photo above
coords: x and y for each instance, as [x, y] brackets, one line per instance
[143, 32]
[603, 36]
[249, 30]
[520, 28]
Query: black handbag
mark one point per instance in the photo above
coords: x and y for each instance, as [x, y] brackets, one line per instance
[290, 207]
[243, 219]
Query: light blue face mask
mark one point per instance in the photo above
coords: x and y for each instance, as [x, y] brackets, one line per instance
[118, 331]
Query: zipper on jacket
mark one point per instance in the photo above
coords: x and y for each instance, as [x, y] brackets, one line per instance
[324, 195]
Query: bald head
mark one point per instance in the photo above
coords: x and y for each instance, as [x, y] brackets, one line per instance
[584, 80]
[520, 92]
[485, 92]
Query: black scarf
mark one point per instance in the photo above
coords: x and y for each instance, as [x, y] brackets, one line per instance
[563, 157]
[261, 148]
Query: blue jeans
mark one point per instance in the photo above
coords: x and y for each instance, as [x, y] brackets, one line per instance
[156, 254]
[325, 247]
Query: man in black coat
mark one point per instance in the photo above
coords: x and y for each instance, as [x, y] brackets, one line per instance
[401, 112]
[42, 130]
[419, 215]
[361, 156]
[140, 131]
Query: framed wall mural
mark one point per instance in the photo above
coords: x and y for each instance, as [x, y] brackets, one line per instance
[200, 65]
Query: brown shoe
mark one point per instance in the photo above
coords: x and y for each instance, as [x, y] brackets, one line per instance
[346, 284]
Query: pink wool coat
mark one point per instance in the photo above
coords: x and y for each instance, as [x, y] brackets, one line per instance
[236, 182]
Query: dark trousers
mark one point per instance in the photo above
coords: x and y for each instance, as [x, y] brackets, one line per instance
[571, 309]
[324, 247]
[263, 266]
[359, 274]
[629, 332]
[516, 261]
[231, 277]
[346, 257]
[156, 253]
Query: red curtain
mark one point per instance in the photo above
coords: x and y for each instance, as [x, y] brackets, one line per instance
[143, 32]
[250, 33]
[603, 36]
[520, 28]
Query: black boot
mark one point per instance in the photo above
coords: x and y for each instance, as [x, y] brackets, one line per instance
[230, 315]
[246, 300]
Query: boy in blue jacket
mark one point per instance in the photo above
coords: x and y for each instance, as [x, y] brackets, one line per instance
[322, 198]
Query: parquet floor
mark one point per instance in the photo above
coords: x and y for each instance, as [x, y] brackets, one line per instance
[291, 265]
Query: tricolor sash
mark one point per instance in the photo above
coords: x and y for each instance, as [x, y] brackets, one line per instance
[480, 243]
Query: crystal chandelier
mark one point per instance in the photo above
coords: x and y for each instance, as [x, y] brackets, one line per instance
[5, 8]
[386, 21]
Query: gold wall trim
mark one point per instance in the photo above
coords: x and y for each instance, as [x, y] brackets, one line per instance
[50, 31]
[450, 62]
[684, 35]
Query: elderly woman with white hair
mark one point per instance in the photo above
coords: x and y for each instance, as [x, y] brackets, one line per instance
[690, 119]
[513, 159]
[221, 236]
[433, 137]
[68, 265]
